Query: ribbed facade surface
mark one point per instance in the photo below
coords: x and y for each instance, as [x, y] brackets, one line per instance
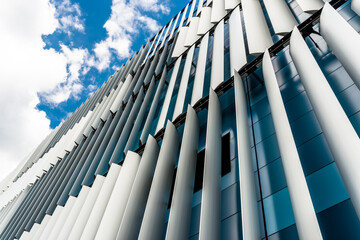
[237, 120]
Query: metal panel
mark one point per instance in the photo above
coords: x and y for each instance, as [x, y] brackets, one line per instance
[169, 93]
[156, 207]
[282, 20]
[257, 32]
[218, 10]
[338, 130]
[249, 212]
[192, 36]
[231, 4]
[343, 40]
[179, 106]
[98, 209]
[180, 214]
[73, 215]
[115, 208]
[166, 33]
[305, 217]
[204, 23]
[183, 17]
[310, 6]
[85, 212]
[179, 44]
[197, 92]
[210, 217]
[217, 65]
[236, 39]
[131, 222]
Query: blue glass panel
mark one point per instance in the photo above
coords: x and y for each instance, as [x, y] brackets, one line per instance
[305, 128]
[314, 154]
[272, 178]
[355, 23]
[268, 150]
[264, 128]
[230, 201]
[195, 220]
[339, 80]
[339, 222]
[278, 211]
[231, 228]
[260, 109]
[355, 120]
[289, 233]
[281, 60]
[350, 100]
[326, 188]
[297, 107]
[291, 89]
[286, 73]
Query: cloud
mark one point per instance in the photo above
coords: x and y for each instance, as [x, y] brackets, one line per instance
[69, 16]
[29, 69]
[127, 20]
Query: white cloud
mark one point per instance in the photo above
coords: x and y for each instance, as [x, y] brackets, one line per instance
[28, 69]
[69, 16]
[126, 21]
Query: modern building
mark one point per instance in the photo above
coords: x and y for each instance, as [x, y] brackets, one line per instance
[235, 121]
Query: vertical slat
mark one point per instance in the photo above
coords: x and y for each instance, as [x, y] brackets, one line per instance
[231, 4]
[115, 208]
[169, 93]
[174, 26]
[150, 48]
[179, 106]
[167, 33]
[64, 214]
[218, 10]
[257, 32]
[236, 38]
[118, 100]
[339, 133]
[154, 104]
[197, 92]
[41, 227]
[305, 217]
[217, 67]
[51, 224]
[249, 212]
[191, 36]
[310, 6]
[131, 222]
[97, 212]
[180, 41]
[343, 40]
[180, 214]
[199, 7]
[183, 17]
[152, 226]
[204, 23]
[71, 218]
[281, 18]
[80, 223]
[191, 13]
[210, 215]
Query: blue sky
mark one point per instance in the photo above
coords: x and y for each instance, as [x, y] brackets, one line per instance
[55, 53]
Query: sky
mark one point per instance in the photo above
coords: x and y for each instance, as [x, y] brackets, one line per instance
[55, 53]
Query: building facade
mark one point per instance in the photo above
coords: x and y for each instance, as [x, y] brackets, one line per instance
[235, 121]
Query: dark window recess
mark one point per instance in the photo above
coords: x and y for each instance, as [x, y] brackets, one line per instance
[199, 174]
